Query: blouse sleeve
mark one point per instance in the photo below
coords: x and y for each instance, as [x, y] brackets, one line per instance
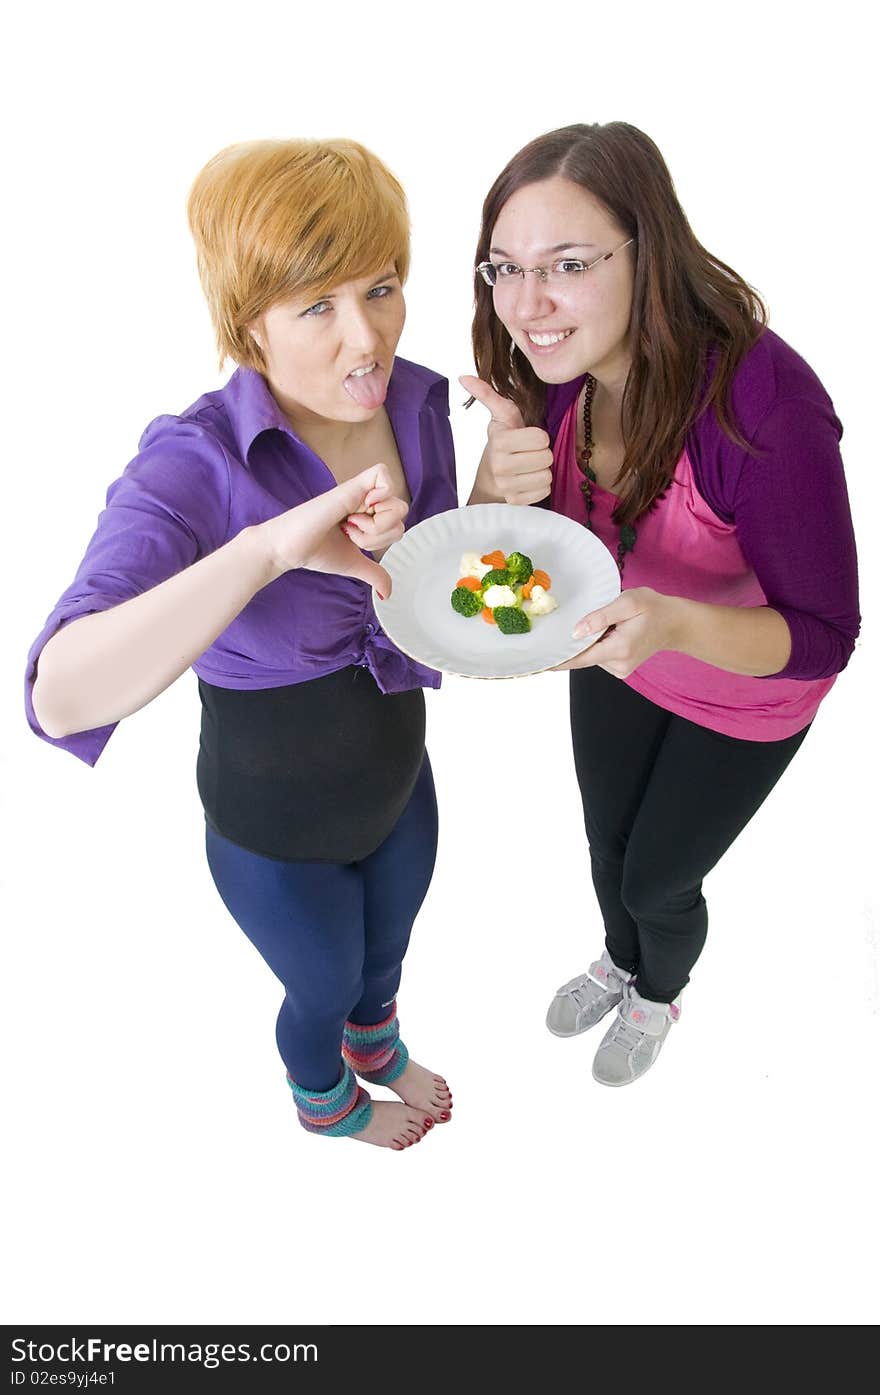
[793, 522]
[440, 489]
[169, 508]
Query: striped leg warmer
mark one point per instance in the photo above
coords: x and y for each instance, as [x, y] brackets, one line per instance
[375, 1052]
[337, 1113]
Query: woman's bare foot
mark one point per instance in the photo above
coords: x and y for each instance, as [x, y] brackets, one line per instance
[423, 1089]
[395, 1125]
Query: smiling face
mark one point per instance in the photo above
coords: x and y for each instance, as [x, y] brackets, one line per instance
[564, 330]
[330, 360]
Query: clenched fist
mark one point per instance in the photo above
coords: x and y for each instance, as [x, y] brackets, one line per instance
[310, 535]
[516, 463]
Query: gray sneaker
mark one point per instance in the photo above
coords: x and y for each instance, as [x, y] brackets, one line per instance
[632, 1044]
[584, 1001]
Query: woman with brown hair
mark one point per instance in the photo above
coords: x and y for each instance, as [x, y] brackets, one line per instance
[243, 540]
[634, 386]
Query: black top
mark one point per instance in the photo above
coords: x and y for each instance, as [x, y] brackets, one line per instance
[316, 771]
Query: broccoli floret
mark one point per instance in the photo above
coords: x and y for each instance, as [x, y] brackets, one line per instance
[519, 566]
[466, 602]
[510, 620]
[498, 577]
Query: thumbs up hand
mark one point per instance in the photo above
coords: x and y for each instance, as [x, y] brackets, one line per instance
[515, 466]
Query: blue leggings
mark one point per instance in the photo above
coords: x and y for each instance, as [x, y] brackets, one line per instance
[334, 933]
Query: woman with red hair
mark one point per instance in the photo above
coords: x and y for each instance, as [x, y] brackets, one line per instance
[243, 540]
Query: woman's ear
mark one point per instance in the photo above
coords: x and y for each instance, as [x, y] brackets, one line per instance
[253, 330]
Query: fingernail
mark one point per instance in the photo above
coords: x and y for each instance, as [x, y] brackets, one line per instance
[379, 594]
[581, 630]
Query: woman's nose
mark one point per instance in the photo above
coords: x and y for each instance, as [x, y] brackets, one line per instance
[533, 295]
[359, 330]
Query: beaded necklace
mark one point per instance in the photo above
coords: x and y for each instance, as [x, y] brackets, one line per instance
[627, 539]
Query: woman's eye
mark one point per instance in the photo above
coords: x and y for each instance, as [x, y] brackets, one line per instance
[569, 266]
[319, 308]
[379, 292]
[505, 269]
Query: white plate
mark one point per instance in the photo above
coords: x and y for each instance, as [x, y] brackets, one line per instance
[423, 566]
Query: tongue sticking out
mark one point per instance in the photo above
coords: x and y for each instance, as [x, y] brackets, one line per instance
[368, 389]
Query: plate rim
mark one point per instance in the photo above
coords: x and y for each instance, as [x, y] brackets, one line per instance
[470, 510]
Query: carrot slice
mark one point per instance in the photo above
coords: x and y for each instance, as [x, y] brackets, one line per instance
[540, 578]
[527, 589]
[494, 559]
[470, 583]
[488, 616]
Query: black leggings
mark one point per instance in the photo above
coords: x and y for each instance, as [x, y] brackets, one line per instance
[663, 801]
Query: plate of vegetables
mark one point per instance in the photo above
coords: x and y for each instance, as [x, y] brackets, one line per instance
[494, 590]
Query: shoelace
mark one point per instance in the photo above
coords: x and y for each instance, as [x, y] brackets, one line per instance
[584, 990]
[626, 1035]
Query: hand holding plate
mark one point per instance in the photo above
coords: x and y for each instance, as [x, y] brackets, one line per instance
[638, 624]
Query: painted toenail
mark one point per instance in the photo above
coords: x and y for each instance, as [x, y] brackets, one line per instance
[429, 1123]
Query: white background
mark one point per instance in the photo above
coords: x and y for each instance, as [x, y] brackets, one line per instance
[153, 1167]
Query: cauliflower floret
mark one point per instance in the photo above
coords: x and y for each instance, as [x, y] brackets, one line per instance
[499, 595]
[541, 603]
[470, 565]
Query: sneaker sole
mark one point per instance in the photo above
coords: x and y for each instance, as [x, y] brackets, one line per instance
[617, 1084]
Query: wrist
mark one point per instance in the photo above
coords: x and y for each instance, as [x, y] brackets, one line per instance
[257, 553]
[485, 490]
[479, 496]
[680, 620]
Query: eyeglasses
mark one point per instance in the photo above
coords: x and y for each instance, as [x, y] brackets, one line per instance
[567, 271]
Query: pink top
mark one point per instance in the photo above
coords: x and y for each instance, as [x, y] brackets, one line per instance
[684, 549]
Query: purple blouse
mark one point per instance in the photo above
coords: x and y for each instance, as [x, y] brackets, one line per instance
[787, 502]
[229, 461]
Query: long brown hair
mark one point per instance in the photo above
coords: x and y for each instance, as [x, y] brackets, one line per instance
[689, 309]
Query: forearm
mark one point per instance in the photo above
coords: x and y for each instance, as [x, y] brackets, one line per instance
[107, 665]
[751, 640]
